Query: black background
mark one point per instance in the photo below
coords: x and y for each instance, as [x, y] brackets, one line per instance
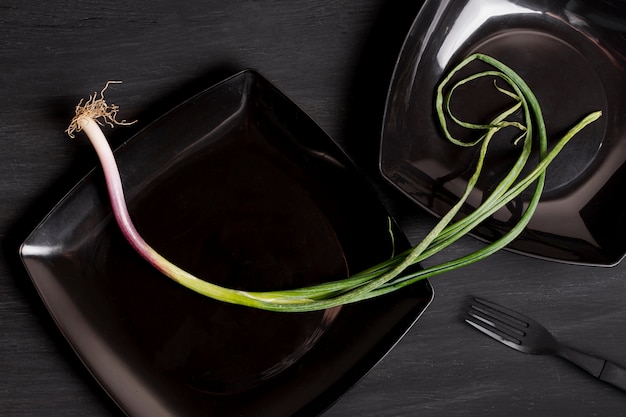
[334, 59]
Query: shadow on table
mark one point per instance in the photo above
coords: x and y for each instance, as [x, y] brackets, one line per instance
[367, 96]
[372, 77]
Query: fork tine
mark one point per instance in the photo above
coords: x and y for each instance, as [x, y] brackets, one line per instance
[489, 328]
[493, 333]
[501, 313]
[506, 327]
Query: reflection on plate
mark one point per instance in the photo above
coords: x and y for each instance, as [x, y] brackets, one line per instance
[573, 56]
[238, 185]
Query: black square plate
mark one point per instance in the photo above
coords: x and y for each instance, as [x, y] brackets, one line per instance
[239, 185]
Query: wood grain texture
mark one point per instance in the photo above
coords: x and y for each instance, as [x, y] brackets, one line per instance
[334, 58]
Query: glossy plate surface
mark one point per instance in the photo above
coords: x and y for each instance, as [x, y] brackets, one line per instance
[239, 185]
[573, 56]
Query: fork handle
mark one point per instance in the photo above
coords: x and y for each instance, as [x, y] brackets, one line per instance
[600, 368]
[614, 375]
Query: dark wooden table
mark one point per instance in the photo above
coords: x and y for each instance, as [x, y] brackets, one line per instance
[333, 58]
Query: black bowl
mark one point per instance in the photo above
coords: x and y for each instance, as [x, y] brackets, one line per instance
[573, 56]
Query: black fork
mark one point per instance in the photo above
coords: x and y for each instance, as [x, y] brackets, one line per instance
[524, 334]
